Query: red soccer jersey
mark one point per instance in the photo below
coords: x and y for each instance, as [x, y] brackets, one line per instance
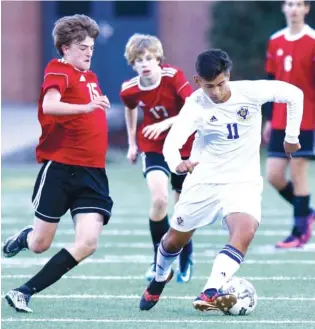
[292, 59]
[79, 139]
[158, 102]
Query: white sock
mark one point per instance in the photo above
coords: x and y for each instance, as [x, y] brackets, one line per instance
[225, 265]
[164, 263]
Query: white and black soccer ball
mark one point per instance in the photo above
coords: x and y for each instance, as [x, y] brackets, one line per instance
[245, 293]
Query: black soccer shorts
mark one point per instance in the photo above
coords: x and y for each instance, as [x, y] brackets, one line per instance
[307, 141]
[155, 161]
[60, 187]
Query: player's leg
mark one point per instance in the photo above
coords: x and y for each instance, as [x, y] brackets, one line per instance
[185, 262]
[50, 199]
[303, 214]
[277, 163]
[196, 207]
[39, 236]
[156, 173]
[241, 212]
[299, 194]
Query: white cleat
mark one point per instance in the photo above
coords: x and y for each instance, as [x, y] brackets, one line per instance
[18, 301]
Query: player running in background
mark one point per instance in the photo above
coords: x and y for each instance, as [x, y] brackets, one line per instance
[291, 58]
[160, 91]
[72, 149]
[227, 182]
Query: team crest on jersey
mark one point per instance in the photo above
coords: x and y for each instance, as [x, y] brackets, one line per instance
[243, 114]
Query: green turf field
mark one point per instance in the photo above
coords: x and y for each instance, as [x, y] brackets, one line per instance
[104, 291]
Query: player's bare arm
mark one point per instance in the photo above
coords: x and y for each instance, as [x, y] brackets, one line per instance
[154, 131]
[53, 106]
[131, 117]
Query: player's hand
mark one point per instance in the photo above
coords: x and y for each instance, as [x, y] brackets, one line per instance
[155, 130]
[290, 148]
[267, 132]
[100, 102]
[186, 166]
[132, 154]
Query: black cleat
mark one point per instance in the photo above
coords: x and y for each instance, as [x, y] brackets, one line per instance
[12, 245]
[153, 292]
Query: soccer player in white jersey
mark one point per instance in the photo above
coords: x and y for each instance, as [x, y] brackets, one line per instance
[224, 180]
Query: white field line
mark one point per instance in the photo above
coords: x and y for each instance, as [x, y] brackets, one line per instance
[135, 222]
[256, 250]
[140, 259]
[140, 277]
[228, 321]
[201, 232]
[88, 296]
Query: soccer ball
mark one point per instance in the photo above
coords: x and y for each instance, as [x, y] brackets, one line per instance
[245, 293]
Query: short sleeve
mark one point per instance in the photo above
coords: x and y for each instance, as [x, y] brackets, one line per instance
[56, 76]
[128, 100]
[182, 86]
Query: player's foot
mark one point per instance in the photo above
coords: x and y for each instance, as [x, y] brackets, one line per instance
[290, 242]
[18, 301]
[12, 245]
[296, 239]
[185, 266]
[214, 300]
[153, 292]
[306, 236]
[150, 274]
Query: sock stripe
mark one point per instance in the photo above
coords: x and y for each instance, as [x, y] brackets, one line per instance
[233, 253]
[168, 254]
[236, 254]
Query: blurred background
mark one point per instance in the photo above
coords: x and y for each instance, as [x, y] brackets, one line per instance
[186, 28]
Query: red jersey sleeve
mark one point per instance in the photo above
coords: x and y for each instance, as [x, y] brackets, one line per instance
[183, 87]
[56, 76]
[127, 98]
[270, 60]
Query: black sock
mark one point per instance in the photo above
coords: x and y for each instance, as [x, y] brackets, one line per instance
[301, 212]
[56, 267]
[158, 229]
[287, 193]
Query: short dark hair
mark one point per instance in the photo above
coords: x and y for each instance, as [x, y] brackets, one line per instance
[74, 28]
[212, 63]
[306, 3]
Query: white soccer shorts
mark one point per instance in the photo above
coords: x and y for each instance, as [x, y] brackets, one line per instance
[203, 204]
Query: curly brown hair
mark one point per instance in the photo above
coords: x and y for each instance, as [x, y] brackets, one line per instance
[74, 28]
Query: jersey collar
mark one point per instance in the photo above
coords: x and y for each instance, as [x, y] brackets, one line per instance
[294, 37]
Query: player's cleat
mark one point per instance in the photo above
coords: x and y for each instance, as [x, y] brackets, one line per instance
[18, 301]
[153, 292]
[184, 271]
[12, 245]
[150, 274]
[213, 300]
[295, 241]
[306, 236]
[290, 242]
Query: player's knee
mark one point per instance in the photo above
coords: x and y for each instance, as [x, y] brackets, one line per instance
[274, 178]
[160, 202]
[172, 242]
[39, 245]
[86, 247]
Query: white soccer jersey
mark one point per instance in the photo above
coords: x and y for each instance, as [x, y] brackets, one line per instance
[229, 134]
